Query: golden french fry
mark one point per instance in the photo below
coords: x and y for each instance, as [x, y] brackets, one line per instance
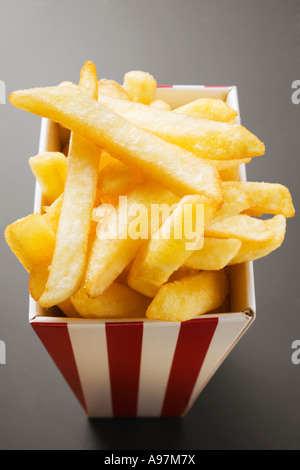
[31, 240]
[140, 86]
[215, 254]
[203, 137]
[67, 83]
[116, 178]
[50, 169]
[105, 158]
[190, 296]
[235, 201]
[239, 226]
[68, 263]
[229, 174]
[37, 280]
[178, 170]
[113, 89]
[118, 301]
[252, 250]
[229, 164]
[88, 82]
[169, 248]
[181, 272]
[68, 308]
[208, 108]
[265, 198]
[117, 240]
[161, 104]
[52, 213]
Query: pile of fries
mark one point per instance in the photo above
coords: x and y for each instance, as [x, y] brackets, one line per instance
[121, 144]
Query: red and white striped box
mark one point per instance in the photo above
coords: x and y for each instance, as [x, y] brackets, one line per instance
[141, 367]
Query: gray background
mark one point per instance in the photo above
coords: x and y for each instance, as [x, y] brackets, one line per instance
[253, 400]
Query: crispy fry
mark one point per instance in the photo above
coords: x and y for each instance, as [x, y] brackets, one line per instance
[178, 170]
[105, 159]
[165, 252]
[140, 86]
[229, 174]
[68, 308]
[252, 250]
[265, 198]
[235, 201]
[160, 104]
[118, 301]
[50, 169]
[239, 226]
[116, 179]
[223, 165]
[52, 213]
[208, 108]
[37, 280]
[190, 296]
[113, 251]
[113, 89]
[203, 137]
[31, 240]
[215, 254]
[68, 263]
[181, 272]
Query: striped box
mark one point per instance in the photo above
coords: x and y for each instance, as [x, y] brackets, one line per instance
[144, 368]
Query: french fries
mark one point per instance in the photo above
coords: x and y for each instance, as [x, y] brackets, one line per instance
[31, 239]
[50, 170]
[251, 250]
[180, 171]
[69, 256]
[208, 108]
[140, 86]
[113, 89]
[235, 201]
[117, 178]
[215, 254]
[52, 213]
[160, 104]
[142, 214]
[239, 226]
[265, 198]
[203, 137]
[190, 296]
[118, 301]
[112, 252]
[166, 251]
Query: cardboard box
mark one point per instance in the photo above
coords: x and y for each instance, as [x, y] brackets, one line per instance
[144, 368]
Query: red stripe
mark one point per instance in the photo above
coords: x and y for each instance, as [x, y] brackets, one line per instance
[55, 337]
[124, 347]
[192, 344]
[164, 86]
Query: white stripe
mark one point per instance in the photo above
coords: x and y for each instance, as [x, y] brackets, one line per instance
[159, 343]
[228, 331]
[90, 351]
